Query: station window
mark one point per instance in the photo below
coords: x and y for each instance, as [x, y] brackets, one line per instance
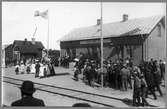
[159, 30]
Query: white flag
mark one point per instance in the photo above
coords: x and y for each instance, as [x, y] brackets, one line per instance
[42, 14]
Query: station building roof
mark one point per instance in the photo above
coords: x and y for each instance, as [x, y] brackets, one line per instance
[131, 27]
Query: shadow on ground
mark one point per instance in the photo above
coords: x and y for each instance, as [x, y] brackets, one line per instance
[129, 102]
[62, 74]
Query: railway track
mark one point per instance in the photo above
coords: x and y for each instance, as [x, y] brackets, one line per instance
[71, 93]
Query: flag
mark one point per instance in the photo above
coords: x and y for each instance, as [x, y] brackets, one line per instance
[42, 14]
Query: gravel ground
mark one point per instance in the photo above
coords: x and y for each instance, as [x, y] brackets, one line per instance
[64, 79]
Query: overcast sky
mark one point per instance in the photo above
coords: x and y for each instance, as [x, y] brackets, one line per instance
[18, 21]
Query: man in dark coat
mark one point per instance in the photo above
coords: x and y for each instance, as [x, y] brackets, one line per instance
[157, 79]
[37, 67]
[162, 69]
[151, 66]
[130, 75]
[27, 90]
[117, 76]
[150, 81]
[143, 90]
[136, 89]
[89, 75]
[124, 77]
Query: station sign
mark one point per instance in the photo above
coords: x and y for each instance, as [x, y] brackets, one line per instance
[96, 41]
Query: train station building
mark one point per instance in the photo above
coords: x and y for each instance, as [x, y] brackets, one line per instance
[139, 39]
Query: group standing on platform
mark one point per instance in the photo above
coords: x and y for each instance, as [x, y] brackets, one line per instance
[41, 69]
[143, 79]
[64, 61]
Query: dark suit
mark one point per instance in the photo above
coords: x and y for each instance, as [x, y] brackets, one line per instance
[37, 67]
[157, 78]
[150, 82]
[124, 77]
[28, 101]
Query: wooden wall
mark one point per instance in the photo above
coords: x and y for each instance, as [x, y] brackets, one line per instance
[156, 44]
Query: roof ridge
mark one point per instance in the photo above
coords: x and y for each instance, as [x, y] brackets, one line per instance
[139, 18]
[146, 24]
[27, 40]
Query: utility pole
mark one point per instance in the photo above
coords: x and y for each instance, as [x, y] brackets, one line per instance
[101, 34]
[48, 37]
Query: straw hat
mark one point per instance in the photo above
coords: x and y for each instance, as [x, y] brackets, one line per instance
[21, 62]
[76, 59]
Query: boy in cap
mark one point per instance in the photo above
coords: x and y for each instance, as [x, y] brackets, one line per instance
[27, 90]
[137, 89]
[17, 67]
[143, 90]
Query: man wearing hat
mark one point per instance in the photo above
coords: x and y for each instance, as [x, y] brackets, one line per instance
[27, 90]
[124, 77]
[81, 105]
[37, 67]
[136, 89]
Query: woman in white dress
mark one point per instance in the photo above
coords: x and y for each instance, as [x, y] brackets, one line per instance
[41, 71]
[22, 68]
[33, 67]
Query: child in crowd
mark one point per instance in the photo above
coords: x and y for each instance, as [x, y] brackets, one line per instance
[22, 68]
[17, 68]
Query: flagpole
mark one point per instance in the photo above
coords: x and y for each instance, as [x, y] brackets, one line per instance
[101, 34]
[48, 37]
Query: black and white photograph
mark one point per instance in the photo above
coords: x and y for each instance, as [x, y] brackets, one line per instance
[83, 54]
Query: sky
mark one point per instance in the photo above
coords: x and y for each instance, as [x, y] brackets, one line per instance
[18, 21]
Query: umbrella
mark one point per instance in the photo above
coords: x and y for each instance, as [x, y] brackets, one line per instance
[76, 59]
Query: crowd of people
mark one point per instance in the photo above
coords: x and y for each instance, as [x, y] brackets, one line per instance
[144, 79]
[64, 61]
[123, 75]
[41, 68]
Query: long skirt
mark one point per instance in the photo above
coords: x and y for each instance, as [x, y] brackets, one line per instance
[33, 68]
[41, 72]
[22, 69]
[48, 71]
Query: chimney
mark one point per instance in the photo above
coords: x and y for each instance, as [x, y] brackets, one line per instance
[25, 39]
[125, 17]
[98, 22]
[33, 40]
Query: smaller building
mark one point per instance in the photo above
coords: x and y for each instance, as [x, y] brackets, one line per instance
[22, 50]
